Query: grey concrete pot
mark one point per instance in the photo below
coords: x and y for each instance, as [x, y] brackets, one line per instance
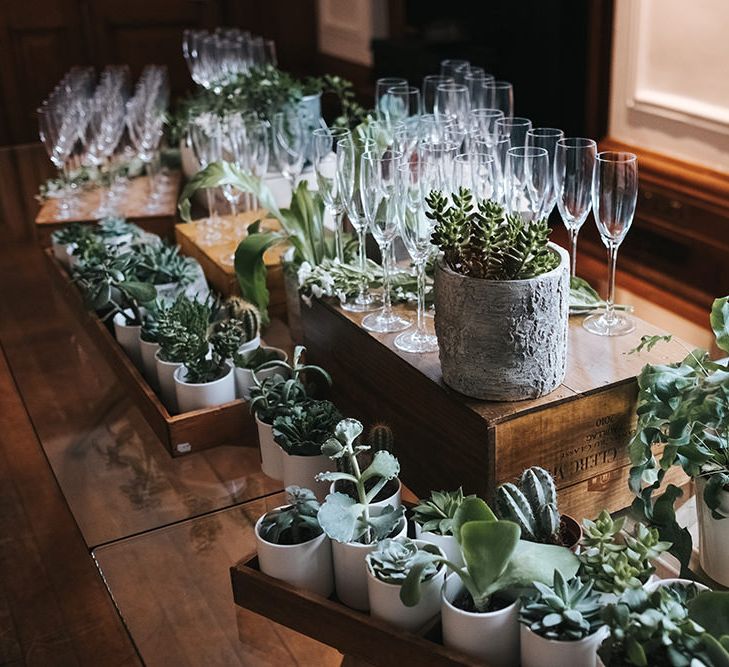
[503, 340]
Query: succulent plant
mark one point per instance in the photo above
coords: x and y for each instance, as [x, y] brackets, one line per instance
[114, 226]
[615, 562]
[381, 438]
[254, 359]
[161, 263]
[237, 308]
[532, 505]
[435, 515]
[295, 523]
[568, 611]
[276, 396]
[306, 427]
[228, 335]
[393, 559]
[182, 327]
[71, 233]
[653, 629]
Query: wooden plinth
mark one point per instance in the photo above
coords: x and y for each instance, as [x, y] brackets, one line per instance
[215, 257]
[445, 440]
[133, 207]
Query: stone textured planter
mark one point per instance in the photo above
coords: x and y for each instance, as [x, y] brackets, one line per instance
[503, 340]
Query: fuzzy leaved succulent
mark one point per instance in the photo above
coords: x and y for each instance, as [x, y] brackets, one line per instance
[306, 427]
[393, 559]
[614, 560]
[568, 611]
[296, 522]
[435, 514]
[532, 505]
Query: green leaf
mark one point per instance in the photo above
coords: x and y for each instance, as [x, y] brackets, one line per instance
[582, 294]
[471, 509]
[647, 343]
[348, 430]
[384, 465]
[338, 517]
[720, 322]
[332, 449]
[717, 650]
[487, 548]
[710, 609]
[140, 292]
[537, 562]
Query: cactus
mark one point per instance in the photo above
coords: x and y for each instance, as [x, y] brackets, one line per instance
[236, 308]
[381, 438]
[532, 504]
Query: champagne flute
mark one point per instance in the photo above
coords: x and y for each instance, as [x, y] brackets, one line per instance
[403, 102]
[614, 195]
[574, 163]
[430, 87]
[515, 128]
[501, 96]
[289, 144]
[483, 125]
[451, 66]
[378, 189]
[382, 87]
[546, 138]
[416, 229]
[528, 181]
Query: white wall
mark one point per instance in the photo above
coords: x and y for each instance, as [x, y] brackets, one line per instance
[346, 28]
[670, 78]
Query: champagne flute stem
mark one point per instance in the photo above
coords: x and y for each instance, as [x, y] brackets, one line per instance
[573, 250]
[612, 262]
[338, 243]
[362, 250]
[421, 298]
[386, 305]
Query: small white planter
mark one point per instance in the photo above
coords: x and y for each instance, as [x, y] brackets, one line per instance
[301, 470]
[166, 378]
[446, 543]
[251, 345]
[244, 382]
[271, 453]
[655, 584]
[537, 651]
[385, 600]
[195, 396]
[350, 571]
[127, 335]
[307, 565]
[713, 536]
[149, 362]
[492, 637]
[62, 252]
[393, 499]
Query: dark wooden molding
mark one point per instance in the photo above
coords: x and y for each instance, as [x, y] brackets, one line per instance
[599, 62]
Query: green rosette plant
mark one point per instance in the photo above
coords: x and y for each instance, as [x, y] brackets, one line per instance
[306, 427]
[295, 523]
[436, 513]
[392, 560]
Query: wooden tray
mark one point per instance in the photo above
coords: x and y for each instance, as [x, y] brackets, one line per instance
[228, 424]
[354, 633]
[445, 440]
[161, 221]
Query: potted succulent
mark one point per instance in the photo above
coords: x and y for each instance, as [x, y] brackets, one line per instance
[149, 345]
[479, 602]
[387, 568]
[433, 519]
[532, 504]
[116, 231]
[248, 323]
[161, 265]
[300, 433]
[292, 546]
[256, 364]
[65, 239]
[614, 560]
[352, 527]
[276, 395]
[561, 625]
[501, 300]
[205, 378]
[185, 320]
[682, 407]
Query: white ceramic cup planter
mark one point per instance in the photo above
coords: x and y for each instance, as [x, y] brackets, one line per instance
[166, 378]
[307, 565]
[393, 499]
[350, 570]
[127, 335]
[385, 600]
[244, 382]
[271, 452]
[538, 651]
[492, 637]
[195, 396]
[713, 536]
[149, 361]
[250, 345]
[446, 543]
[301, 470]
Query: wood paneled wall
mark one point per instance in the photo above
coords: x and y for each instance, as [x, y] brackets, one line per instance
[41, 40]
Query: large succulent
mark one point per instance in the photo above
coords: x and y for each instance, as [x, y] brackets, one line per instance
[182, 328]
[569, 611]
[297, 522]
[616, 561]
[393, 559]
[276, 396]
[161, 263]
[306, 427]
[435, 514]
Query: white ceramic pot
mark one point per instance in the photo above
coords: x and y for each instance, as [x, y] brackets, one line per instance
[393, 499]
[166, 378]
[244, 382]
[251, 345]
[492, 637]
[385, 600]
[62, 252]
[196, 396]
[655, 584]
[537, 651]
[307, 565]
[127, 335]
[301, 470]
[713, 536]
[149, 362]
[446, 543]
[350, 570]
[271, 453]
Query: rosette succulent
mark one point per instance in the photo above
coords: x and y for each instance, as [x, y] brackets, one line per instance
[393, 559]
[435, 514]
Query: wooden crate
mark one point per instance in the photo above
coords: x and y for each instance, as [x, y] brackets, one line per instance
[228, 424]
[133, 208]
[354, 633]
[444, 440]
[215, 257]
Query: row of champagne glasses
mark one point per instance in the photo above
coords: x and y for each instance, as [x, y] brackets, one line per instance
[215, 58]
